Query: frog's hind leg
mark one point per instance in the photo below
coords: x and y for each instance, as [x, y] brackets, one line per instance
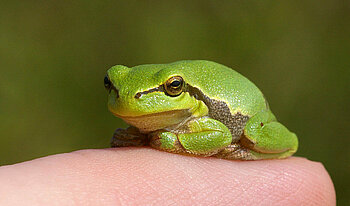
[204, 137]
[265, 138]
[128, 137]
[236, 152]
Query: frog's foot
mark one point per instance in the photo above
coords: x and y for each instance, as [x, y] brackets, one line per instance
[236, 152]
[202, 136]
[265, 138]
[166, 141]
[128, 137]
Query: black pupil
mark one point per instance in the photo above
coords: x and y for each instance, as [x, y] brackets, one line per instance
[107, 82]
[175, 83]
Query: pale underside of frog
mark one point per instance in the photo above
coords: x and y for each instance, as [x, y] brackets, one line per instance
[195, 107]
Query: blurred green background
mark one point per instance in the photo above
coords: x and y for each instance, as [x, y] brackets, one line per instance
[54, 55]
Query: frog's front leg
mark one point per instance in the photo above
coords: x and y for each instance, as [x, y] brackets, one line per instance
[201, 136]
[267, 139]
[130, 136]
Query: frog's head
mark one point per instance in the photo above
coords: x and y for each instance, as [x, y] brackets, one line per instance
[151, 97]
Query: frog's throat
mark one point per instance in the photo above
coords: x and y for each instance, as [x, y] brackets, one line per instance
[152, 122]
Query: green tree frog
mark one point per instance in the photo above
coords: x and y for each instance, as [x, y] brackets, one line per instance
[195, 107]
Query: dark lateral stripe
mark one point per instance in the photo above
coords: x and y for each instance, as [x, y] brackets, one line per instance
[196, 93]
[156, 89]
[193, 91]
[220, 111]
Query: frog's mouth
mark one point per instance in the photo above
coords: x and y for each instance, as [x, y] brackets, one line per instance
[152, 122]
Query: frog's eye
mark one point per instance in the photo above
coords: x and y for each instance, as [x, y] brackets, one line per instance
[108, 83]
[173, 86]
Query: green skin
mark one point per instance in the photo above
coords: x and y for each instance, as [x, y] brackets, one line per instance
[217, 112]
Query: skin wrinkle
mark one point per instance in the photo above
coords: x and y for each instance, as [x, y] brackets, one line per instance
[312, 184]
[323, 193]
[289, 195]
[291, 192]
[188, 172]
[149, 173]
[218, 199]
[118, 194]
[219, 174]
[279, 179]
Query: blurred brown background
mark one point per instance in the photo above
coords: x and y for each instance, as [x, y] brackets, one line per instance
[54, 55]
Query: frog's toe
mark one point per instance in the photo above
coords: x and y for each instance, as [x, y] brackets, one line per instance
[128, 137]
[166, 141]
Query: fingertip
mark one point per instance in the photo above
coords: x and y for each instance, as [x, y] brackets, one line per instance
[315, 183]
[291, 181]
[147, 176]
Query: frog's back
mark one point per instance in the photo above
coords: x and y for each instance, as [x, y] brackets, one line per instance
[223, 84]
